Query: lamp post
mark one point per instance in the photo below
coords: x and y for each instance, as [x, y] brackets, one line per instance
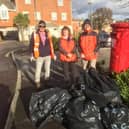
[90, 4]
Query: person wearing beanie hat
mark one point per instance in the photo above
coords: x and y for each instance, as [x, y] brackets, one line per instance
[41, 49]
[88, 45]
[86, 21]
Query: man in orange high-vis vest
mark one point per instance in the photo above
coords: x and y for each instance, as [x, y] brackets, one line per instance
[88, 45]
[41, 48]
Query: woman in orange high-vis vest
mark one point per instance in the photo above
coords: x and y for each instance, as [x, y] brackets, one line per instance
[41, 47]
[68, 56]
[88, 45]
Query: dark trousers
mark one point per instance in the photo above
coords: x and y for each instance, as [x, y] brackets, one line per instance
[71, 73]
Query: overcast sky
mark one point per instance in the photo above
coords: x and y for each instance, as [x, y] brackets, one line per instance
[81, 9]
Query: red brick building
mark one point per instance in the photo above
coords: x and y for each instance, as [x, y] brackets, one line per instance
[56, 13]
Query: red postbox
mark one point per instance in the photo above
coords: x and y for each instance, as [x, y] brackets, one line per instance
[119, 60]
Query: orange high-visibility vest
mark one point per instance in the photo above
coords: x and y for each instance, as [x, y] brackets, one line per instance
[88, 44]
[37, 43]
[68, 46]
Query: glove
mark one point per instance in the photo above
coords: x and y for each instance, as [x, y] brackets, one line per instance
[82, 56]
[55, 57]
[32, 58]
[69, 55]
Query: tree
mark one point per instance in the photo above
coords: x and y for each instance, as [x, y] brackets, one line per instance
[100, 17]
[21, 21]
[127, 19]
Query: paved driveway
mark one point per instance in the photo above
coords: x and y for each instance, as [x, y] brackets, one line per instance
[8, 79]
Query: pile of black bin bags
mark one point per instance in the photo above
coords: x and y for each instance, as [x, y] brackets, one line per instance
[94, 103]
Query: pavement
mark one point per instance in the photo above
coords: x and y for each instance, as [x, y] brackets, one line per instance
[7, 68]
[8, 75]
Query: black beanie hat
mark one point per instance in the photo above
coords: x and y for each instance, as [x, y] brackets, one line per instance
[42, 23]
[86, 21]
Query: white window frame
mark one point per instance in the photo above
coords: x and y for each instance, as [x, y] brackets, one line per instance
[27, 1]
[37, 15]
[54, 16]
[4, 14]
[60, 2]
[64, 16]
[26, 13]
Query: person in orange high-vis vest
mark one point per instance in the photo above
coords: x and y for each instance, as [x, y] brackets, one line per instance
[41, 48]
[68, 56]
[88, 45]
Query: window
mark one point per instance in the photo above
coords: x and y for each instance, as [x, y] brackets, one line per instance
[64, 16]
[37, 16]
[27, 1]
[4, 12]
[54, 16]
[26, 13]
[60, 2]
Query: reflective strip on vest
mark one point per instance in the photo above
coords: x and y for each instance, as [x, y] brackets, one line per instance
[36, 49]
[36, 45]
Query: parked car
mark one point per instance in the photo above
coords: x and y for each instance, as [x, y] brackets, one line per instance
[104, 39]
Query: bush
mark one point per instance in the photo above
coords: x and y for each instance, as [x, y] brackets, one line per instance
[122, 79]
[76, 36]
[55, 43]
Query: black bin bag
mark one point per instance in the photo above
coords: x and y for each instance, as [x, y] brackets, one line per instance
[49, 103]
[100, 88]
[115, 116]
[82, 114]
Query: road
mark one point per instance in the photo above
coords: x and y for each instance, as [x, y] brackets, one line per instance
[8, 76]
[8, 70]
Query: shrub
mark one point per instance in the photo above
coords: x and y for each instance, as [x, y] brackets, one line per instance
[122, 79]
[55, 43]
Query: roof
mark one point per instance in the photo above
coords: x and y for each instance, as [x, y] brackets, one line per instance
[8, 4]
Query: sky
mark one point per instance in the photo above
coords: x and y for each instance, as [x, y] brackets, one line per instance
[81, 8]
